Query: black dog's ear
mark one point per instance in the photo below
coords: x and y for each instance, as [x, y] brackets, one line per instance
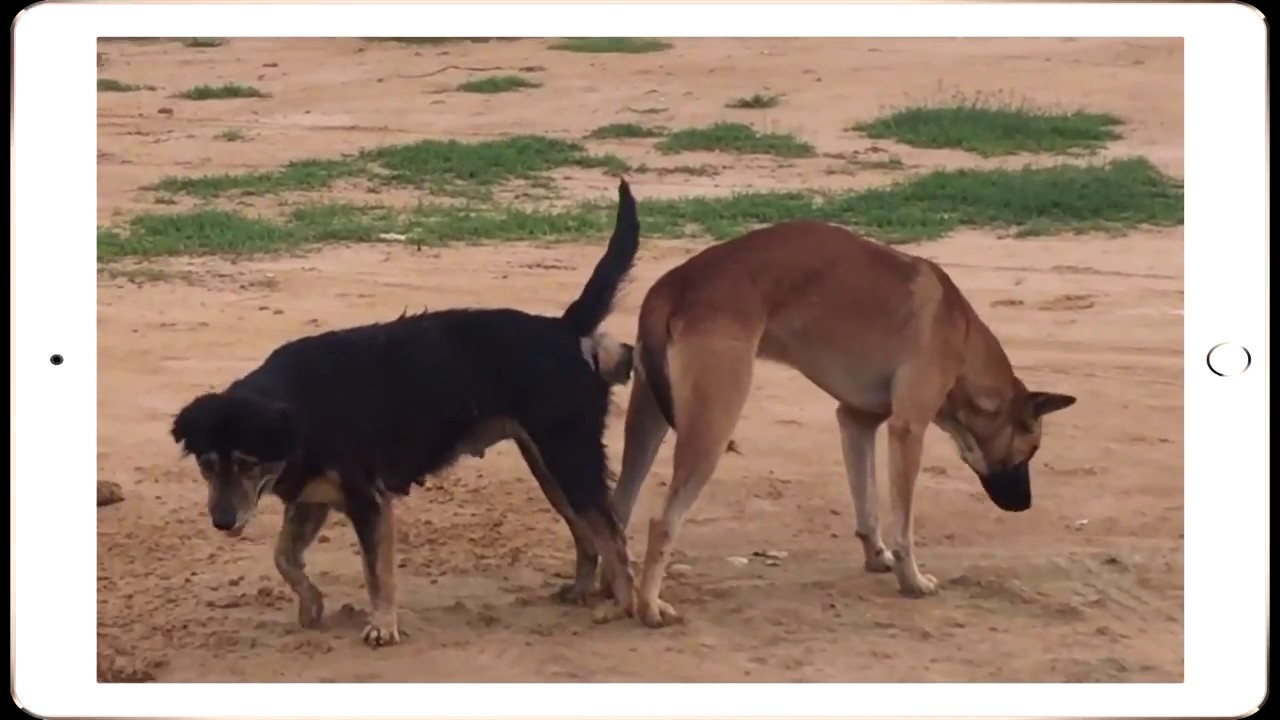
[187, 421]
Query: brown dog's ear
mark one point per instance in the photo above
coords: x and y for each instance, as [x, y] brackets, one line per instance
[1040, 404]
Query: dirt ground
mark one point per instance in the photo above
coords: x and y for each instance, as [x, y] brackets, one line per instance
[1086, 586]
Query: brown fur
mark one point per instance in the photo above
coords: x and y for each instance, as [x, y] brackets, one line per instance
[888, 335]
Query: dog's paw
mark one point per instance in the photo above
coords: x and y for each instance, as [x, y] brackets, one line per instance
[311, 610]
[572, 594]
[381, 632]
[658, 614]
[920, 586]
[609, 611]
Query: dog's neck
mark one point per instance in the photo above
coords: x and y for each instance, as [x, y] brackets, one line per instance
[986, 380]
[252, 385]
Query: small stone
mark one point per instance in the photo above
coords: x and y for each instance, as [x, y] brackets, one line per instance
[109, 493]
[771, 554]
[679, 569]
[738, 561]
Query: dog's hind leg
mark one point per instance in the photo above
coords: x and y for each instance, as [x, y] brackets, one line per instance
[575, 459]
[302, 523]
[372, 516]
[711, 378]
[577, 592]
[858, 445]
[644, 432]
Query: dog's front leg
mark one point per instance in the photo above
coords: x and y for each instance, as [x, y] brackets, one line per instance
[906, 444]
[302, 523]
[371, 515]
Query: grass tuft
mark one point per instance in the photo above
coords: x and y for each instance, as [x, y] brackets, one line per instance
[444, 162]
[231, 135]
[992, 130]
[497, 84]
[735, 138]
[221, 92]
[109, 85]
[1066, 198]
[1031, 201]
[203, 42]
[754, 102]
[295, 176]
[611, 45]
[619, 131]
[439, 164]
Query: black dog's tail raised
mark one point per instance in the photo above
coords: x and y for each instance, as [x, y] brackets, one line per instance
[595, 303]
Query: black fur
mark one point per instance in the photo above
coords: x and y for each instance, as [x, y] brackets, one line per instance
[387, 404]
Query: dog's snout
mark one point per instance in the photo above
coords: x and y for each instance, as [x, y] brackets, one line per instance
[1009, 489]
[223, 520]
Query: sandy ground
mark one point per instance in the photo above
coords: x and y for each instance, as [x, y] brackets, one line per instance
[1087, 586]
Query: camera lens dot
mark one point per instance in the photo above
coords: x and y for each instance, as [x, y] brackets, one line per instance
[56, 359]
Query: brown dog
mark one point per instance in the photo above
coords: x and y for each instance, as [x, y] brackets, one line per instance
[886, 334]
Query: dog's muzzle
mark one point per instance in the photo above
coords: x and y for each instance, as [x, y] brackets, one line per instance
[1009, 489]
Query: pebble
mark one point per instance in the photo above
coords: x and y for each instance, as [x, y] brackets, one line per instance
[772, 554]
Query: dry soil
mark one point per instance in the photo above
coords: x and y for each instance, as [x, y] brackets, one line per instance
[1087, 586]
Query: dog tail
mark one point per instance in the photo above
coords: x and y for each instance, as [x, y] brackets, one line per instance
[595, 303]
[652, 338]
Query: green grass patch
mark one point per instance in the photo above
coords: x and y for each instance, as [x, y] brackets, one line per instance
[299, 175]
[754, 102]
[221, 92]
[437, 162]
[995, 130]
[621, 131]
[203, 42]
[109, 85]
[611, 45]
[1106, 197]
[1114, 196]
[735, 138]
[497, 84]
[201, 232]
[444, 165]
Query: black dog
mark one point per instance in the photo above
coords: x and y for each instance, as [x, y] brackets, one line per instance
[352, 418]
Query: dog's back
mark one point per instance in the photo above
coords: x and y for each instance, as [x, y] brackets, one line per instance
[406, 391]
